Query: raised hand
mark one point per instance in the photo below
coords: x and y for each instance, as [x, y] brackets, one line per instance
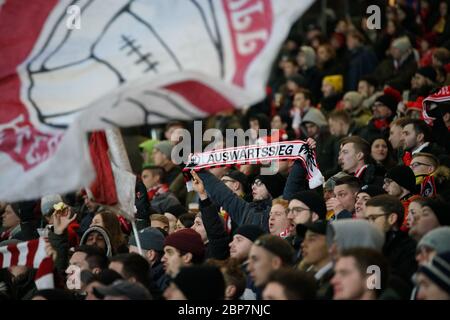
[311, 143]
[62, 219]
[198, 186]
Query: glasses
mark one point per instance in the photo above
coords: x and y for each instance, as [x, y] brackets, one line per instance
[418, 164]
[375, 217]
[296, 210]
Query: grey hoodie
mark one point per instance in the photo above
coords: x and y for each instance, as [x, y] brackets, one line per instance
[105, 235]
[349, 233]
[315, 116]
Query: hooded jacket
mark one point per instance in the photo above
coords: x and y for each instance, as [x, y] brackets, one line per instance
[104, 233]
[349, 233]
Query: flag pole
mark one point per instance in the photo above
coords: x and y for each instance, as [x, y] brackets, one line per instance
[124, 179]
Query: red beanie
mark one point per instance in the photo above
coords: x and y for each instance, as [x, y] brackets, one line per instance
[186, 240]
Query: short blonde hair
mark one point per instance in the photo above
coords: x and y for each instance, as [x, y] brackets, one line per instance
[281, 202]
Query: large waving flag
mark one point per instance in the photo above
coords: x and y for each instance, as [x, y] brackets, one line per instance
[131, 62]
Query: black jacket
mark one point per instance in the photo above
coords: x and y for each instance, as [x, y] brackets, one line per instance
[400, 250]
[218, 238]
[241, 211]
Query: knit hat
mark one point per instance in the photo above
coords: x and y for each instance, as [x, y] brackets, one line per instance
[389, 101]
[404, 176]
[441, 210]
[437, 239]
[274, 183]
[336, 81]
[150, 238]
[428, 72]
[186, 240]
[319, 227]
[314, 202]
[438, 271]
[277, 246]
[372, 190]
[298, 79]
[133, 291]
[402, 43]
[47, 203]
[201, 282]
[238, 176]
[355, 99]
[250, 231]
[165, 147]
[177, 210]
[310, 55]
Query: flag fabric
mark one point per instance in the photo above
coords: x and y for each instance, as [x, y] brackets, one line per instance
[32, 255]
[131, 62]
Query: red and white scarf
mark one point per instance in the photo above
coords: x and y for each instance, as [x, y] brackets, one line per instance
[259, 153]
[32, 255]
[442, 95]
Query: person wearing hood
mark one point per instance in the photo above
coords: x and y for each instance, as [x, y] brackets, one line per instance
[98, 237]
[353, 105]
[264, 189]
[386, 213]
[314, 124]
[306, 59]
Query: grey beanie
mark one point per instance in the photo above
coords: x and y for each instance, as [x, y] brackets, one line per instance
[402, 43]
[310, 56]
[355, 99]
[47, 203]
[349, 233]
[105, 235]
[165, 147]
[437, 239]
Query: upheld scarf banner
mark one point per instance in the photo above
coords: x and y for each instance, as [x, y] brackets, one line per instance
[256, 154]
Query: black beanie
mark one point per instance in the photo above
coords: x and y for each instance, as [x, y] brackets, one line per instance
[389, 101]
[250, 231]
[274, 183]
[441, 210]
[372, 190]
[404, 176]
[314, 202]
[428, 72]
[201, 283]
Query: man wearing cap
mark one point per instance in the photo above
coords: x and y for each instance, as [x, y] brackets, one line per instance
[152, 245]
[433, 279]
[400, 182]
[162, 157]
[264, 189]
[332, 86]
[316, 256]
[366, 192]
[182, 248]
[268, 253]
[386, 213]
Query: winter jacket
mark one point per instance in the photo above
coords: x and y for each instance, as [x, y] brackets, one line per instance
[161, 202]
[362, 61]
[400, 77]
[241, 211]
[60, 243]
[400, 250]
[218, 238]
[296, 181]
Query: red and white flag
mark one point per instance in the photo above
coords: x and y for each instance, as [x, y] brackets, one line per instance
[66, 70]
[32, 255]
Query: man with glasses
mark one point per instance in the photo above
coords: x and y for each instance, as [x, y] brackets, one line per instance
[430, 179]
[386, 213]
[400, 182]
